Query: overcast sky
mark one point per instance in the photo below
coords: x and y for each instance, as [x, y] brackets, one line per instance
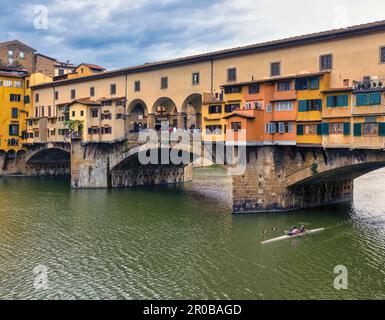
[119, 33]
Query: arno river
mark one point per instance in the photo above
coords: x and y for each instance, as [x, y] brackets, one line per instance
[181, 242]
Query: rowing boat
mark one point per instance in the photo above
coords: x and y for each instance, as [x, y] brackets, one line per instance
[286, 237]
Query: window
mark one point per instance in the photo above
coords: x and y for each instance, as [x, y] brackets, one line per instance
[284, 86]
[49, 111]
[81, 113]
[215, 109]
[10, 53]
[27, 99]
[232, 107]
[18, 84]
[15, 113]
[94, 113]
[326, 62]
[7, 83]
[367, 99]
[22, 55]
[382, 54]
[275, 69]
[61, 72]
[73, 114]
[93, 130]
[14, 97]
[337, 128]
[42, 111]
[269, 108]
[284, 106]
[27, 84]
[37, 97]
[137, 86]
[315, 105]
[301, 84]
[233, 89]
[371, 129]
[253, 89]
[310, 129]
[213, 129]
[56, 95]
[164, 83]
[231, 75]
[73, 94]
[106, 130]
[314, 83]
[92, 91]
[236, 126]
[195, 78]
[113, 89]
[337, 101]
[14, 130]
[346, 82]
[271, 127]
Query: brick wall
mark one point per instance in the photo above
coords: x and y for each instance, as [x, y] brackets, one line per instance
[29, 58]
[44, 65]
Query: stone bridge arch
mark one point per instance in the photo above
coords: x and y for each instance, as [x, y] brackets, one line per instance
[49, 159]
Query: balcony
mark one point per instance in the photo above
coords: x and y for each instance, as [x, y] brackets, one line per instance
[370, 85]
[212, 98]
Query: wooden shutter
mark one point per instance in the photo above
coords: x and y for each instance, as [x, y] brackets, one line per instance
[300, 129]
[347, 128]
[358, 129]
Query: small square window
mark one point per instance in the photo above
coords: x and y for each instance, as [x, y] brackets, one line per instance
[326, 62]
[113, 89]
[21, 55]
[275, 69]
[137, 86]
[164, 83]
[195, 78]
[382, 54]
[231, 75]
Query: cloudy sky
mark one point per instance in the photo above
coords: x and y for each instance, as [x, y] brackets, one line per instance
[118, 33]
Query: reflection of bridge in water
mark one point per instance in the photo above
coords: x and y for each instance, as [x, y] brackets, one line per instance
[276, 178]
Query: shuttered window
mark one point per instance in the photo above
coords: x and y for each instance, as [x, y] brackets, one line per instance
[347, 128]
[303, 105]
[325, 129]
[367, 99]
[358, 129]
[381, 129]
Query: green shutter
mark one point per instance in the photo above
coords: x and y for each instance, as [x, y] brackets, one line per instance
[381, 131]
[325, 129]
[362, 99]
[347, 128]
[300, 129]
[320, 104]
[342, 101]
[330, 102]
[319, 129]
[375, 98]
[303, 105]
[358, 129]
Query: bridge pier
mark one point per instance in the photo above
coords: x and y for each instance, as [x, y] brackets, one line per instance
[265, 186]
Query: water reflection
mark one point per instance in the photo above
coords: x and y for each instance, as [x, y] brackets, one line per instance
[182, 242]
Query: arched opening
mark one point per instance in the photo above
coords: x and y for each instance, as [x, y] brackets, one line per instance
[192, 112]
[165, 113]
[137, 116]
[50, 162]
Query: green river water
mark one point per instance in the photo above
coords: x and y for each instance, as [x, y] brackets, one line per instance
[181, 242]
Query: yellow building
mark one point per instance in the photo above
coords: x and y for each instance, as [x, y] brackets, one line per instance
[310, 104]
[30, 121]
[337, 117]
[213, 111]
[12, 111]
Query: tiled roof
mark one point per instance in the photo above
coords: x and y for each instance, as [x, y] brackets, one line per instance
[260, 47]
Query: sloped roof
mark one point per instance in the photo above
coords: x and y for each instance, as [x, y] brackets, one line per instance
[17, 42]
[259, 47]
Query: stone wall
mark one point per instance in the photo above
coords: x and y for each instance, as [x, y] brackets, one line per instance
[28, 61]
[44, 65]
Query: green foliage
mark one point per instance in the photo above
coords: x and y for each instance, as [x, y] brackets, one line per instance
[74, 125]
[314, 168]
